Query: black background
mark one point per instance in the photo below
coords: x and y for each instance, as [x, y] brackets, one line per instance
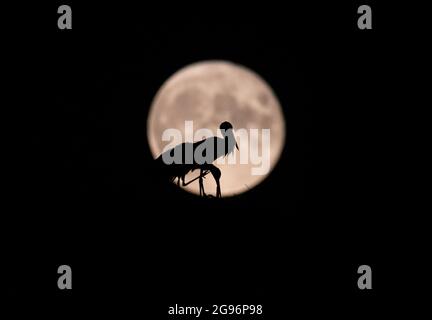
[85, 192]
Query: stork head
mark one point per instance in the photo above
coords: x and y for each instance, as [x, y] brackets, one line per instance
[225, 127]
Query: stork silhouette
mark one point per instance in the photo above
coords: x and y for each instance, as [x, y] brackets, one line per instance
[186, 157]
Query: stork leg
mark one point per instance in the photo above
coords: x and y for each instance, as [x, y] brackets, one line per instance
[216, 173]
[201, 183]
[196, 178]
[218, 190]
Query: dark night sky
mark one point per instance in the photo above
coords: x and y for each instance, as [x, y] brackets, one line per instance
[93, 199]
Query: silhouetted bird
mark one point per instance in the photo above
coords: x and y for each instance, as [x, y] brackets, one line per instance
[186, 157]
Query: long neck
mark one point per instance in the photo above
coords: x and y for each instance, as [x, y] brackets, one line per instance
[230, 141]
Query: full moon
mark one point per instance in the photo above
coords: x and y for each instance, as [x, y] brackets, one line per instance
[209, 93]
